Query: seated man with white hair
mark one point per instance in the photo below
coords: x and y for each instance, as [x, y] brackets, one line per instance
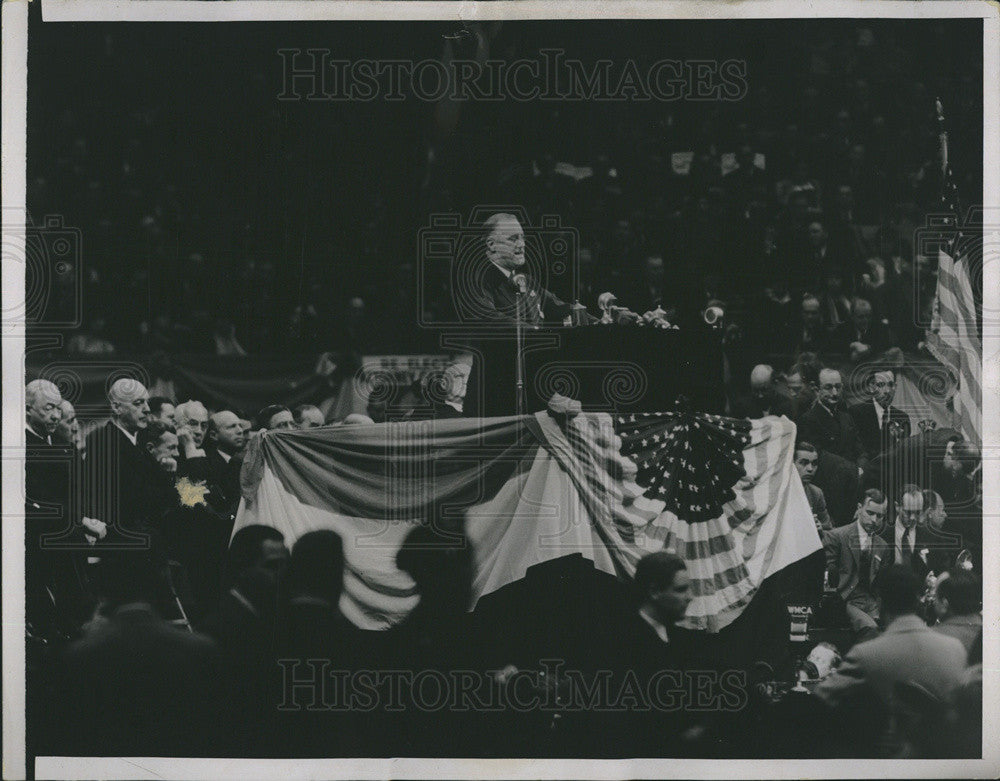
[192, 425]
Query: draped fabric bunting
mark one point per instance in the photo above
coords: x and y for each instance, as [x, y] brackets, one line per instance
[721, 493]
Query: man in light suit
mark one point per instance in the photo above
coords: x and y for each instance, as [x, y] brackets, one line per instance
[854, 555]
[879, 424]
[908, 653]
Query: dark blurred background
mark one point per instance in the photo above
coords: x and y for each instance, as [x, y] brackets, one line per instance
[213, 213]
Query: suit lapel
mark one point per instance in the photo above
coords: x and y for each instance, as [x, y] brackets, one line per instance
[854, 543]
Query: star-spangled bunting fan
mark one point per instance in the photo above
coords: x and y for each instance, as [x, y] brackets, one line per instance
[689, 461]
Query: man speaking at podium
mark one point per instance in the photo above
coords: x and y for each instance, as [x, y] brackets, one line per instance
[503, 280]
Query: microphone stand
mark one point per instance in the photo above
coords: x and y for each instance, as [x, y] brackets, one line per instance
[519, 354]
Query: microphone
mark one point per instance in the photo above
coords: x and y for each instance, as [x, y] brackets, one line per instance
[606, 300]
[522, 283]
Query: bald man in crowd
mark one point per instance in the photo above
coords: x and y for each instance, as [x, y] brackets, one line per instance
[764, 398]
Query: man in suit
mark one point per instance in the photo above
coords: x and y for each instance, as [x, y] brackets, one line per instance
[862, 337]
[910, 542]
[854, 556]
[647, 646]
[826, 425]
[56, 582]
[806, 463]
[879, 424]
[841, 485]
[907, 653]
[492, 294]
[191, 426]
[811, 335]
[939, 459]
[226, 441]
[113, 468]
[764, 398]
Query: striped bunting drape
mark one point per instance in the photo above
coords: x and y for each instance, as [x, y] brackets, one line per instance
[765, 525]
[533, 489]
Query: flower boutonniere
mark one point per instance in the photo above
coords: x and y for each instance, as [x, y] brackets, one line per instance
[191, 494]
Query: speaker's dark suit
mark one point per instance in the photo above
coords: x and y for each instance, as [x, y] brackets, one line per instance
[495, 300]
[877, 439]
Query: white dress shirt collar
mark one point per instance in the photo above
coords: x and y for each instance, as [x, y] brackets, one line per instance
[47, 438]
[864, 537]
[660, 629]
[505, 271]
[131, 437]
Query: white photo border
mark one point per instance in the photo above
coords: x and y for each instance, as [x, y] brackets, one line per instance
[14, 90]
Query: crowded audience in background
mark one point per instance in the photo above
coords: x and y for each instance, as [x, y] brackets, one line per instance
[790, 233]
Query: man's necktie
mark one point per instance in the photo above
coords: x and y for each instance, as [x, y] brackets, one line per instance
[866, 565]
[905, 546]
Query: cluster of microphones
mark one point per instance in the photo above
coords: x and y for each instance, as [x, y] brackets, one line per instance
[611, 312]
[614, 314]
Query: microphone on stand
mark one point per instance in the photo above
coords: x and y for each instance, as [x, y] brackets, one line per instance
[521, 281]
[605, 302]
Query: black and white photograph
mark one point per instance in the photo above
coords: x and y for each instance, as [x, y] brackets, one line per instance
[399, 389]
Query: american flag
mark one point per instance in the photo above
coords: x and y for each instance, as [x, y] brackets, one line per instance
[722, 494]
[953, 337]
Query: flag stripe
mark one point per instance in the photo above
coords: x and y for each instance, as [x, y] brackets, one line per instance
[962, 351]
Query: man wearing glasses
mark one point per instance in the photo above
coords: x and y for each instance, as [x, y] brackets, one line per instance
[827, 425]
